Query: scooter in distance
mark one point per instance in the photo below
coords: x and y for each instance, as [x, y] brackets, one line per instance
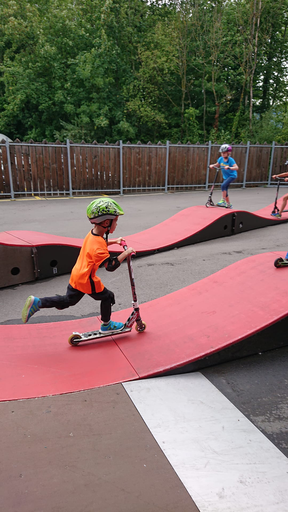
[275, 208]
[135, 317]
[210, 201]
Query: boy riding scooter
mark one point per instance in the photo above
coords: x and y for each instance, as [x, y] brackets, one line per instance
[103, 213]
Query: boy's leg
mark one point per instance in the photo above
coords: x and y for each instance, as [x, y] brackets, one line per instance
[284, 202]
[107, 299]
[282, 207]
[224, 187]
[34, 304]
[62, 301]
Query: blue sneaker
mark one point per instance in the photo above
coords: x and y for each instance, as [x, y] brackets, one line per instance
[112, 326]
[222, 203]
[277, 215]
[31, 306]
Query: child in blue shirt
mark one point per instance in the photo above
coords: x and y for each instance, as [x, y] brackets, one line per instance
[229, 170]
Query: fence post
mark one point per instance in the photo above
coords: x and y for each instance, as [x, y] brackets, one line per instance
[69, 167]
[271, 163]
[246, 164]
[121, 168]
[9, 169]
[167, 166]
[208, 163]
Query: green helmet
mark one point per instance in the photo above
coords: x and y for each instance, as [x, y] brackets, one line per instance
[102, 209]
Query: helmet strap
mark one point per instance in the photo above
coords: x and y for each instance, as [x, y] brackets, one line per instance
[108, 231]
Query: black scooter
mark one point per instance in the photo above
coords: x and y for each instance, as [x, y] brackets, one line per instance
[276, 209]
[210, 201]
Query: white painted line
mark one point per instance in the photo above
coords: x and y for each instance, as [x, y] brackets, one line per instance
[223, 460]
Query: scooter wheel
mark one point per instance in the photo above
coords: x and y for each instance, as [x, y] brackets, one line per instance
[277, 263]
[140, 328]
[208, 204]
[72, 340]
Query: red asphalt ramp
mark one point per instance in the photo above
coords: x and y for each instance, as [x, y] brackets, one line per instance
[41, 255]
[191, 225]
[185, 331]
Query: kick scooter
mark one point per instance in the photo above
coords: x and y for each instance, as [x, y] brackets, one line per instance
[210, 201]
[135, 317]
[276, 209]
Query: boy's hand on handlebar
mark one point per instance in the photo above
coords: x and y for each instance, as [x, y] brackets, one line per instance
[130, 250]
[119, 240]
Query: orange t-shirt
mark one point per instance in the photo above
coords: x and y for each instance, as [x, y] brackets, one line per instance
[93, 252]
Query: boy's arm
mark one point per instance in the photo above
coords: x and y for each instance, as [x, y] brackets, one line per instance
[231, 164]
[112, 264]
[121, 257]
[234, 167]
[115, 241]
[282, 175]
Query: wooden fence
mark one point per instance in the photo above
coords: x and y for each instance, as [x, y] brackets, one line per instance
[58, 169]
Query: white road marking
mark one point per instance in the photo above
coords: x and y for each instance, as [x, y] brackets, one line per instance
[223, 460]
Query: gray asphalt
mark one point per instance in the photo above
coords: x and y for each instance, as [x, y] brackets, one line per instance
[257, 385]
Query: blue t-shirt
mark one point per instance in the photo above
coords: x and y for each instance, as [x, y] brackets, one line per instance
[227, 173]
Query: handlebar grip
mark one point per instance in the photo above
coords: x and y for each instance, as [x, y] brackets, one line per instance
[125, 247]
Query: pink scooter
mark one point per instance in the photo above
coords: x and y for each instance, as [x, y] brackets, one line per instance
[135, 317]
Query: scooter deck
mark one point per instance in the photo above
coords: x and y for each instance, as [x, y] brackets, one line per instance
[78, 337]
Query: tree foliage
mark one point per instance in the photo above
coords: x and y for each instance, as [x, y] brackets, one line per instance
[184, 70]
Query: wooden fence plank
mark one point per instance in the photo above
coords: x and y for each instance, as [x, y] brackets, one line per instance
[53, 166]
[96, 172]
[258, 164]
[4, 186]
[19, 166]
[84, 170]
[46, 168]
[27, 169]
[59, 167]
[66, 186]
[14, 169]
[90, 177]
[117, 164]
[40, 168]
[279, 160]
[78, 170]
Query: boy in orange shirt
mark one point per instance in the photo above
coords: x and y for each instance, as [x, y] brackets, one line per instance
[103, 213]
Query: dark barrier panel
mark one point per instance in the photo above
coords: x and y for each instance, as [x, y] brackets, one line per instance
[246, 221]
[54, 260]
[271, 338]
[17, 265]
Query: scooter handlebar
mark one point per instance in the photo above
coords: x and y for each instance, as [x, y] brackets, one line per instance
[125, 247]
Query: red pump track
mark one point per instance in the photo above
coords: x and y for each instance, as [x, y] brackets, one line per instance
[185, 326]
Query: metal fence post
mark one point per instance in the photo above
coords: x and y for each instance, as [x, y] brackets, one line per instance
[167, 166]
[69, 167]
[246, 164]
[208, 163]
[271, 163]
[9, 169]
[121, 168]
